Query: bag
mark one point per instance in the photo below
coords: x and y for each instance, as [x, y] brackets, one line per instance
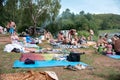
[16, 50]
[29, 61]
[73, 57]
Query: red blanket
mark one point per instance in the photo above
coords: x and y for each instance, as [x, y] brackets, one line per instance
[32, 56]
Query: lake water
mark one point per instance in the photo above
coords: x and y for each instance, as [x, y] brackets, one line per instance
[110, 35]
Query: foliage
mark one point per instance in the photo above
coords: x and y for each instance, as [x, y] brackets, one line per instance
[44, 13]
[30, 13]
[83, 33]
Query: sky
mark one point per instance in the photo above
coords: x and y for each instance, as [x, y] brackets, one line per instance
[91, 6]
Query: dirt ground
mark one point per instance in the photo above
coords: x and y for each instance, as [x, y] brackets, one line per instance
[105, 68]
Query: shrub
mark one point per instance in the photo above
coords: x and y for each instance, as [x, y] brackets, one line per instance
[84, 33]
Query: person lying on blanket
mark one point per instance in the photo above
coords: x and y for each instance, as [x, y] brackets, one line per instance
[32, 50]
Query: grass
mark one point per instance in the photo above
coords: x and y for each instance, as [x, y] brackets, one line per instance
[105, 68]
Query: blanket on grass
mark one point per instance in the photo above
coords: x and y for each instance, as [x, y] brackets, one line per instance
[114, 56]
[58, 45]
[49, 63]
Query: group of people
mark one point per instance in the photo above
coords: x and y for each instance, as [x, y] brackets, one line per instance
[71, 39]
[109, 46]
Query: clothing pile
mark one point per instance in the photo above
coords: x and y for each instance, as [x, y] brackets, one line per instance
[30, 75]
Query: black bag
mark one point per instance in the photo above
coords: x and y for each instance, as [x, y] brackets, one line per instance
[29, 61]
[73, 57]
[16, 50]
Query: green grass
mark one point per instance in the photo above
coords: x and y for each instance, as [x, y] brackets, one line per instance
[105, 68]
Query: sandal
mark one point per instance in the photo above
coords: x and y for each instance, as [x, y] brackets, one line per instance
[70, 67]
[90, 67]
[80, 67]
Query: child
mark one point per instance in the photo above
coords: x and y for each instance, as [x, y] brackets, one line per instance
[109, 48]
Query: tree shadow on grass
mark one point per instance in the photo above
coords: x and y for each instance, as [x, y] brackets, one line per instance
[110, 76]
[113, 77]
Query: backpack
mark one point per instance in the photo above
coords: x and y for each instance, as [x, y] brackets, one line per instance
[74, 57]
[29, 61]
[16, 50]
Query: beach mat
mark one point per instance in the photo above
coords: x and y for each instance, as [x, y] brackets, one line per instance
[49, 63]
[114, 56]
[48, 56]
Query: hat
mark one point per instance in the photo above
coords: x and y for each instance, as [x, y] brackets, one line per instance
[109, 41]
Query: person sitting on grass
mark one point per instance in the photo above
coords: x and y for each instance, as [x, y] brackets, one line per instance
[74, 41]
[117, 46]
[60, 37]
[100, 42]
[109, 48]
[66, 40]
[71, 33]
[114, 38]
[48, 35]
[105, 38]
[82, 40]
[14, 38]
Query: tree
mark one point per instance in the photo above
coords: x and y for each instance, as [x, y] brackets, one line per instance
[11, 8]
[2, 13]
[41, 11]
[82, 13]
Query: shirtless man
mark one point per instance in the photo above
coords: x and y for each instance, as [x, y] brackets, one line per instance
[60, 37]
[12, 27]
[117, 46]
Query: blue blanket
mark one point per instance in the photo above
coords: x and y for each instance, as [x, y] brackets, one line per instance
[114, 56]
[50, 63]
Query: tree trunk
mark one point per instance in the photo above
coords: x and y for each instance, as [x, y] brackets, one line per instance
[35, 29]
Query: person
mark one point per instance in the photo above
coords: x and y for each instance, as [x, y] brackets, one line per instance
[91, 34]
[14, 37]
[105, 38]
[48, 35]
[60, 37]
[82, 39]
[66, 40]
[8, 26]
[71, 33]
[109, 48]
[115, 37]
[101, 42]
[117, 46]
[5, 30]
[12, 27]
[74, 40]
[1, 29]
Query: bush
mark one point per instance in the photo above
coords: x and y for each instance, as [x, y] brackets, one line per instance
[84, 33]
